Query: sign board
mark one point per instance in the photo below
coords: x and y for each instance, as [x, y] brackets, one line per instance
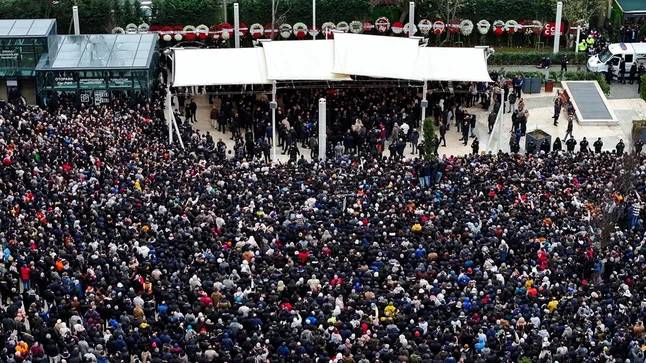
[8, 54]
[550, 29]
[85, 98]
[12, 83]
[101, 97]
[64, 81]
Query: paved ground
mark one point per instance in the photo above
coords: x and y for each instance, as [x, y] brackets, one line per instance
[454, 146]
[540, 117]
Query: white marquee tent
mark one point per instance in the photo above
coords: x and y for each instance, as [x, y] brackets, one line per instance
[328, 60]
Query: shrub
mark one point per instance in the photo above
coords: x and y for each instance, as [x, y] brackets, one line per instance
[429, 138]
[533, 58]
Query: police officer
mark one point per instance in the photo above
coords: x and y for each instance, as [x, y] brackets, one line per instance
[570, 144]
[583, 145]
[598, 145]
[620, 147]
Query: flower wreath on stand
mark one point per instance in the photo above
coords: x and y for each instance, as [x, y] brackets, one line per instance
[382, 24]
[300, 30]
[425, 26]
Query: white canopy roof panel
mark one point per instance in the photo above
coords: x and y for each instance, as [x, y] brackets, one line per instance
[451, 64]
[305, 60]
[375, 56]
[328, 60]
[208, 67]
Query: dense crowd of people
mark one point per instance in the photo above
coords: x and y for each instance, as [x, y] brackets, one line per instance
[364, 121]
[117, 248]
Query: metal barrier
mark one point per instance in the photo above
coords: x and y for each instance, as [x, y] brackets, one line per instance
[495, 141]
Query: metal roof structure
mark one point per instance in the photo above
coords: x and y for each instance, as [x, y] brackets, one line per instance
[637, 7]
[26, 28]
[590, 104]
[100, 51]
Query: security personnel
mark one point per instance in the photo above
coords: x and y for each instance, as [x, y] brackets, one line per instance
[583, 145]
[570, 144]
[620, 147]
[583, 46]
[598, 145]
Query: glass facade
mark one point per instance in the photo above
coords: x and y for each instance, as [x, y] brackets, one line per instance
[22, 43]
[95, 69]
[19, 56]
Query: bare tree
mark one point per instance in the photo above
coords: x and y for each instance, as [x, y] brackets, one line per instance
[580, 12]
[276, 17]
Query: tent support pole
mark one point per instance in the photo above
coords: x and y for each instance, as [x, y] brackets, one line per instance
[322, 128]
[236, 24]
[273, 106]
[313, 17]
[411, 18]
[424, 104]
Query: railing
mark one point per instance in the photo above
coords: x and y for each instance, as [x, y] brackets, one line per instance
[495, 141]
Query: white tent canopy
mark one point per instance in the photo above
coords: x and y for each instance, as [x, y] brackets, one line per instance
[306, 60]
[328, 60]
[375, 56]
[208, 67]
[451, 64]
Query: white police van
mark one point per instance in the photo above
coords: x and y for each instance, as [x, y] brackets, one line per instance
[629, 52]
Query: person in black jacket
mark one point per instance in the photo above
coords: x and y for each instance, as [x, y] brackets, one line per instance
[491, 121]
[620, 147]
[598, 145]
[583, 145]
[443, 133]
[475, 146]
[570, 144]
[557, 145]
[545, 146]
[639, 144]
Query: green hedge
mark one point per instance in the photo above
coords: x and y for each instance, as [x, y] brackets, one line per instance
[533, 58]
[571, 76]
[582, 76]
[643, 87]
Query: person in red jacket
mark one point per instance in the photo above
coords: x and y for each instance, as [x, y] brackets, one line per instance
[25, 273]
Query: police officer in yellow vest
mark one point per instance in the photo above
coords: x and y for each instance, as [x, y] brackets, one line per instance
[583, 46]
